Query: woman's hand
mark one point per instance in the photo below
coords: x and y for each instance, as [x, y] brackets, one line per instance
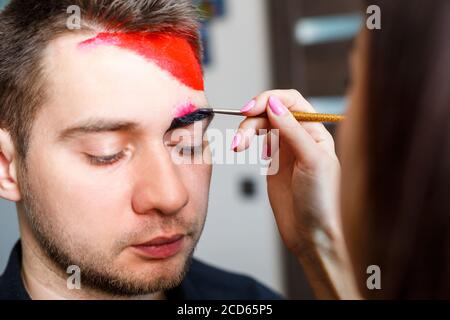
[304, 191]
[303, 194]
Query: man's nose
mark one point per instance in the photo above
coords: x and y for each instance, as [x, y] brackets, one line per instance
[159, 186]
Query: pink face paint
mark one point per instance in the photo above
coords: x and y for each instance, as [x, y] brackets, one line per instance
[170, 53]
[184, 109]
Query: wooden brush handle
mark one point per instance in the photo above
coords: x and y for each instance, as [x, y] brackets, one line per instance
[317, 117]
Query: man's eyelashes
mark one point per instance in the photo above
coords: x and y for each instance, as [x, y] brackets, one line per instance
[109, 160]
[190, 151]
[105, 160]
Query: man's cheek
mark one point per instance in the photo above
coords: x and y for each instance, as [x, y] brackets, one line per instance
[197, 180]
[88, 200]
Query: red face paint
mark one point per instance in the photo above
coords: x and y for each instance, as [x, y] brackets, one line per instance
[184, 110]
[171, 53]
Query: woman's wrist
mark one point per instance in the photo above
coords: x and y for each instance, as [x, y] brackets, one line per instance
[324, 257]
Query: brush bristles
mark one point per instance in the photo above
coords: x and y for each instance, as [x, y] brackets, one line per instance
[191, 118]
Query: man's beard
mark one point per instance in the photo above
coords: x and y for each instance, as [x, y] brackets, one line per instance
[97, 273]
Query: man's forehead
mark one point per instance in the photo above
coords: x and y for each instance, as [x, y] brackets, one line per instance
[113, 82]
[169, 52]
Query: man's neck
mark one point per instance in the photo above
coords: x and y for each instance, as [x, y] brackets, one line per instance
[44, 281]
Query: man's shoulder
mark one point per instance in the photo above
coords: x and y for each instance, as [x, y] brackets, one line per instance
[4, 288]
[208, 282]
[2, 285]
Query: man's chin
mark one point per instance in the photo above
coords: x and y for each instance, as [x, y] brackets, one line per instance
[141, 276]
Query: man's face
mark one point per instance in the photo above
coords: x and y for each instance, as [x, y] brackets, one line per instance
[101, 187]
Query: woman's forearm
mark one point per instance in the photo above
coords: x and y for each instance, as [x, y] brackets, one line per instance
[328, 268]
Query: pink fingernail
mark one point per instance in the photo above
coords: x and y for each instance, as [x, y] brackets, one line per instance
[249, 106]
[277, 106]
[236, 141]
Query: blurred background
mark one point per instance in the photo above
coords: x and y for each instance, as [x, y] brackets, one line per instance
[252, 46]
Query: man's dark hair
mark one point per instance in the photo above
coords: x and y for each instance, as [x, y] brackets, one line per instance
[27, 27]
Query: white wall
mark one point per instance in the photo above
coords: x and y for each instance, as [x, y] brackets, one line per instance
[240, 234]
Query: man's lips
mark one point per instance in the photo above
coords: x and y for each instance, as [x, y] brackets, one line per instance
[161, 247]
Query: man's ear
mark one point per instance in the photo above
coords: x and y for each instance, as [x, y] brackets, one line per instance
[9, 187]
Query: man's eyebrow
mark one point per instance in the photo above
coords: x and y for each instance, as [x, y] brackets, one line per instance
[191, 118]
[98, 126]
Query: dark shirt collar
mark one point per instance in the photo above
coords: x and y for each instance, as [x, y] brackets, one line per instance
[11, 284]
[12, 287]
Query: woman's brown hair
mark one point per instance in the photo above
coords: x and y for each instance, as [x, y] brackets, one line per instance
[408, 129]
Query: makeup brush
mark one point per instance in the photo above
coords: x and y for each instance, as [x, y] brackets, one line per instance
[300, 116]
